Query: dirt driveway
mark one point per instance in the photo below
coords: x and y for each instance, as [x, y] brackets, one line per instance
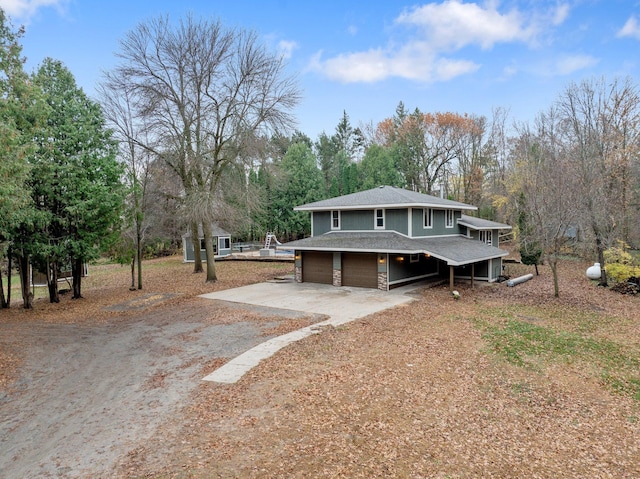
[89, 393]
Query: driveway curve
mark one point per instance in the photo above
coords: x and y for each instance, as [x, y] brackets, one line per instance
[341, 305]
[89, 394]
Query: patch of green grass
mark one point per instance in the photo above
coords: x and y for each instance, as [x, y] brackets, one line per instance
[541, 339]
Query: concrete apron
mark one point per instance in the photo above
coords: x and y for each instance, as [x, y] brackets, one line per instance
[341, 304]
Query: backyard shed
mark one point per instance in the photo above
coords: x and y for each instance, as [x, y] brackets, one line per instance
[221, 244]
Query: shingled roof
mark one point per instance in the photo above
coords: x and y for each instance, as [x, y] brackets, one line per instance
[455, 250]
[384, 197]
[481, 224]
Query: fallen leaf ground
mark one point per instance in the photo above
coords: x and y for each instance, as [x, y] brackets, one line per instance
[505, 382]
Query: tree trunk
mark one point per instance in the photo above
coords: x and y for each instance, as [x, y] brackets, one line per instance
[133, 273]
[3, 302]
[52, 281]
[138, 257]
[24, 267]
[553, 264]
[76, 272]
[603, 271]
[208, 247]
[9, 269]
[197, 257]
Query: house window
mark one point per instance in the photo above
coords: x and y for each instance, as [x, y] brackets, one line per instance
[486, 237]
[449, 219]
[215, 245]
[414, 258]
[335, 220]
[379, 219]
[225, 243]
[428, 218]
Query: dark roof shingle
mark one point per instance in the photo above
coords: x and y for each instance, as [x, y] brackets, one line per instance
[384, 197]
[455, 250]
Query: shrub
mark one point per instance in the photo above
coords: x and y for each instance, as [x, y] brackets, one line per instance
[621, 265]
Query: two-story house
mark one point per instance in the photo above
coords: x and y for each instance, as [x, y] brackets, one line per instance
[386, 237]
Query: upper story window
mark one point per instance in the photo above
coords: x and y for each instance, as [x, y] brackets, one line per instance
[448, 222]
[428, 218]
[379, 224]
[335, 220]
[486, 237]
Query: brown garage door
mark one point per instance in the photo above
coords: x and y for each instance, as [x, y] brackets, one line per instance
[360, 269]
[317, 267]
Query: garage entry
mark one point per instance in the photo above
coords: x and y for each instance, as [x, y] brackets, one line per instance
[317, 267]
[360, 270]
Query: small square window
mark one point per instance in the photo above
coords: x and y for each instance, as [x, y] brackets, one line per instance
[414, 258]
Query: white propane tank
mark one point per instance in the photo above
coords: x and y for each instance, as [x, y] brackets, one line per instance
[593, 272]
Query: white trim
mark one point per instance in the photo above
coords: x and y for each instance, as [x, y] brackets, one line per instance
[489, 238]
[413, 278]
[402, 252]
[375, 218]
[424, 218]
[460, 206]
[446, 218]
[454, 235]
[410, 223]
[335, 228]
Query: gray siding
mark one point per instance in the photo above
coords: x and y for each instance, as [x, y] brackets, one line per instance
[397, 220]
[402, 269]
[480, 270]
[438, 228]
[187, 244]
[321, 222]
[357, 220]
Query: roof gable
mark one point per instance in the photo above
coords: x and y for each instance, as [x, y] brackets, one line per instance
[384, 197]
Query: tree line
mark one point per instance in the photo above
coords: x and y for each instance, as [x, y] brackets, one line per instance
[194, 126]
[60, 188]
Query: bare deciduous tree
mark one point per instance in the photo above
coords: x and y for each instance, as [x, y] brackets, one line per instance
[204, 92]
[547, 189]
[603, 119]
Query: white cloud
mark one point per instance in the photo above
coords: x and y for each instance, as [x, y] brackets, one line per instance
[286, 48]
[23, 10]
[437, 32]
[569, 64]
[630, 29]
[560, 14]
[411, 63]
[452, 25]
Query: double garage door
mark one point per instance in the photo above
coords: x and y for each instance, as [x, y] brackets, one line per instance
[358, 269]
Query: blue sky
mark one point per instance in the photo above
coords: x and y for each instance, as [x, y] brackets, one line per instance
[364, 57]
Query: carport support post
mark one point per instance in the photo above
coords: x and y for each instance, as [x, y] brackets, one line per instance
[473, 272]
[451, 278]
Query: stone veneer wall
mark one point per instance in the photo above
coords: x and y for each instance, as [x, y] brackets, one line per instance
[337, 277]
[298, 274]
[382, 281]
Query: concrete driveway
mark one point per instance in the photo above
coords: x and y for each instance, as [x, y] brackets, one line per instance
[339, 304]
